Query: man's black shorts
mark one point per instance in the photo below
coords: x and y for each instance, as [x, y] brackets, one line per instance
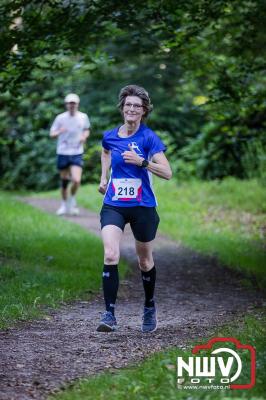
[144, 221]
[64, 161]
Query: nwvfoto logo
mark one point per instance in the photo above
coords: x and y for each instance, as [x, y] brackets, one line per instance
[135, 147]
[223, 366]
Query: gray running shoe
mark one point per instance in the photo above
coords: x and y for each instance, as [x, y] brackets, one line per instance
[107, 323]
[149, 320]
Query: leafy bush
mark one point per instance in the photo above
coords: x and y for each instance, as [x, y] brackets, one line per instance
[202, 63]
[92, 165]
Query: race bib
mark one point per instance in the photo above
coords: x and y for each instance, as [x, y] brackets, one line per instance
[127, 189]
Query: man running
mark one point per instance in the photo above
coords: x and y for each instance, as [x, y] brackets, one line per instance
[71, 129]
[134, 152]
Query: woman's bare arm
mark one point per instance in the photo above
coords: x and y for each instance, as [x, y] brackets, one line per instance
[106, 163]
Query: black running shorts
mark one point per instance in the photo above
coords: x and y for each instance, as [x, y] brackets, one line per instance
[143, 221]
[64, 161]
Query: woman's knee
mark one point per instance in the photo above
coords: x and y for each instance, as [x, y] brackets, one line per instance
[111, 255]
[145, 262]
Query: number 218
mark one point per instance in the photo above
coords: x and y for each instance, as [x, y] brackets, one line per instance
[127, 191]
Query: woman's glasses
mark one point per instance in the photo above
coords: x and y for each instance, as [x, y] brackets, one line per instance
[135, 106]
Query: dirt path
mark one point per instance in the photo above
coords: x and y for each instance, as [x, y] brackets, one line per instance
[194, 295]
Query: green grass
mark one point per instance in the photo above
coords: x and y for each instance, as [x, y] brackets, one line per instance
[44, 260]
[226, 219]
[155, 378]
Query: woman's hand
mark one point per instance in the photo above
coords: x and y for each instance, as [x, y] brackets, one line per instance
[102, 186]
[131, 157]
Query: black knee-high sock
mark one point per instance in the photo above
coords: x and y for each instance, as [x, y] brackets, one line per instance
[110, 286]
[148, 279]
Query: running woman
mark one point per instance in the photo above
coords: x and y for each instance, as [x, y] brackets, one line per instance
[71, 129]
[134, 152]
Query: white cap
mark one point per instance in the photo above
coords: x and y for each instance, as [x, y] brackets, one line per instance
[72, 98]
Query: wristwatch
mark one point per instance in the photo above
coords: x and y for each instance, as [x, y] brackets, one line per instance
[144, 163]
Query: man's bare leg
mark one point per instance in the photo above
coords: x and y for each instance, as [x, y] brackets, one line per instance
[64, 177]
[76, 173]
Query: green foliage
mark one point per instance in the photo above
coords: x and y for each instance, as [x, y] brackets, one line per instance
[91, 159]
[28, 154]
[202, 62]
[29, 163]
[28, 157]
[225, 61]
[254, 160]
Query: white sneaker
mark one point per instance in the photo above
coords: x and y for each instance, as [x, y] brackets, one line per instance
[62, 210]
[72, 206]
[74, 211]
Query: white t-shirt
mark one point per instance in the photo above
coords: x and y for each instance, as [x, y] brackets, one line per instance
[68, 143]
